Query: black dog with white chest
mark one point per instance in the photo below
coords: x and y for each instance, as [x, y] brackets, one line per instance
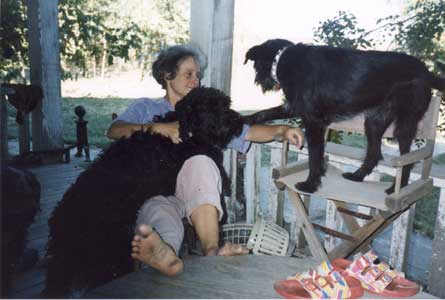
[323, 84]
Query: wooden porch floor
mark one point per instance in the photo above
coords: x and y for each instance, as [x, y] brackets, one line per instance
[215, 277]
[54, 181]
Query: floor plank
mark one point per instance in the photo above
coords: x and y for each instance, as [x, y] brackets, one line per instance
[54, 181]
[236, 277]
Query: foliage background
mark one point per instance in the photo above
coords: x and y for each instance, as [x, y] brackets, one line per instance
[94, 33]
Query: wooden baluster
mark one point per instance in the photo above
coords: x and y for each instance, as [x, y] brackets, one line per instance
[82, 133]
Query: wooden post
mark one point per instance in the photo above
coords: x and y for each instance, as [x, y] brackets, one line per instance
[401, 232]
[316, 248]
[297, 233]
[230, 166]
[436, 282]
[275, 201]
[374, 176]
[211, 30]
[211, 27]
[44, 57]
[252, 183]
[4, 154]
[333, 219]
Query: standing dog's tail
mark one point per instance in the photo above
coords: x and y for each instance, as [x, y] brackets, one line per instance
[438, 82]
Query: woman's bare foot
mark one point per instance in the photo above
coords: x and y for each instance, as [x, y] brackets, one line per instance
[148, 247]
[230, 249]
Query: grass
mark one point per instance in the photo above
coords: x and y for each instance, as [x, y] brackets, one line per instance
[426, 213]
[98, 115]
[99, 112]
[439, 159]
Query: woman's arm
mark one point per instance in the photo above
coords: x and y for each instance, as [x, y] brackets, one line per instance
[268, 133]
[124, 129]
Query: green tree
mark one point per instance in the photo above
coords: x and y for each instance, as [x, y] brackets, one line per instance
[169, 28]
[342, 31]
[419, 31]
[13, 30]
[94, 33]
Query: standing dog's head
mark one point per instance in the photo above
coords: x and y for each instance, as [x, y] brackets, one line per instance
[263, 56]
[205, 116]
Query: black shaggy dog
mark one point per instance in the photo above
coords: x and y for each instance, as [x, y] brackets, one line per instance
[92, 227]
[323, 84]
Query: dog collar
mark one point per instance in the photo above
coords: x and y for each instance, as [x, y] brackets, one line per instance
[273, 70]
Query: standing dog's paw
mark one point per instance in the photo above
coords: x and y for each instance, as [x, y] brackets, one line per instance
[352, 176]
[307, 186]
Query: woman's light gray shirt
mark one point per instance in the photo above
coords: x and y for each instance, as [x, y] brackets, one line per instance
[143, 110]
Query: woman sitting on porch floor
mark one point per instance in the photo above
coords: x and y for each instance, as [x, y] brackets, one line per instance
[159, 228]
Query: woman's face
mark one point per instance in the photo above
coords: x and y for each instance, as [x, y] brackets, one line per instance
[187, 78]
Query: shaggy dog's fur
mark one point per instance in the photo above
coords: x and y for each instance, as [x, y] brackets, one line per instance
[92, 227]
[323, 84]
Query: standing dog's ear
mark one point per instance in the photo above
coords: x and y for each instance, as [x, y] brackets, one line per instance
[253, 53]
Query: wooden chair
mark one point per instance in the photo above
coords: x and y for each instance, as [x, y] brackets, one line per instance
[367, 193]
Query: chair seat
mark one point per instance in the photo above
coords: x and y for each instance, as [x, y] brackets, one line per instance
[335, 187]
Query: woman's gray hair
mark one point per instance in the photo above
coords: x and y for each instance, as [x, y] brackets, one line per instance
[169, 59]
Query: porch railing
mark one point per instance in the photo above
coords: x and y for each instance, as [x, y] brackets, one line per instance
[253, 193]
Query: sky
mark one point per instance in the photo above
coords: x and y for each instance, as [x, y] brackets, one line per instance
[295, 20]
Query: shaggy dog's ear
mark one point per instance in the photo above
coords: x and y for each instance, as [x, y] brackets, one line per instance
[267, 50]
[206, 114]
[253, 53]
[233, 123]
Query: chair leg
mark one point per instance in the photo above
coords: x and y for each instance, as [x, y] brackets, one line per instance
[352, 224]
[364, 236]
[300, 240]
[316, 248]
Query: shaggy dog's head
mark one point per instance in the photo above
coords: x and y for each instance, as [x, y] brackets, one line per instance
[263, 56]
[205, 117]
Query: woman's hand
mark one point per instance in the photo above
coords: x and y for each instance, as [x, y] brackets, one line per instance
[169, 130]
[295, 136]
[266, 133]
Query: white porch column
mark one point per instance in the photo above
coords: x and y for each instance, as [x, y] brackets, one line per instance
[44, 57]
[401, 232]
[436, 280]
[211, 27]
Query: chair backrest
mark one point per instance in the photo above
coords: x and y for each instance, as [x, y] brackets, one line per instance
[426, 128]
